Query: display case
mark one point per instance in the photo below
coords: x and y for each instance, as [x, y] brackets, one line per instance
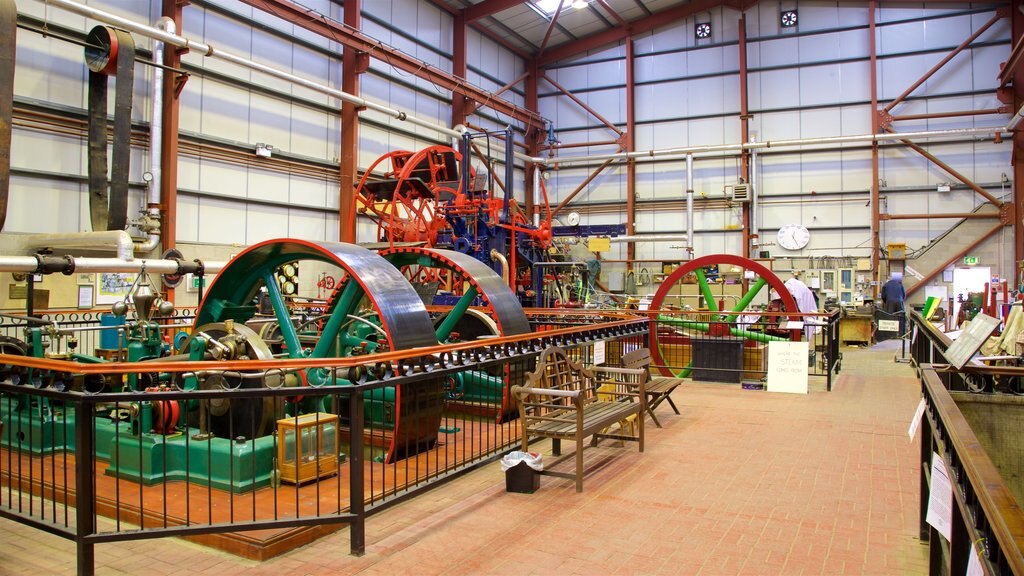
[307, 447]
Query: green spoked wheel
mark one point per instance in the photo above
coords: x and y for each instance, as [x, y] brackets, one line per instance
[374, 309]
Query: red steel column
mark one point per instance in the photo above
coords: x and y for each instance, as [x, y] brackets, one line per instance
[744, 132]
[629, 143]
[169, 137]
[348, 168]
[1017, 33]
[875, 208]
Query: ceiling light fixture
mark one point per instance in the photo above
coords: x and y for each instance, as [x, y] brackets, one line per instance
[579, 4]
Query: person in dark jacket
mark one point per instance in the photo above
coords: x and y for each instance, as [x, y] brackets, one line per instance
[893, 294]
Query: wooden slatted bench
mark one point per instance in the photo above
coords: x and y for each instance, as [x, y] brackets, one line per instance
[658, 388]
[561, 401]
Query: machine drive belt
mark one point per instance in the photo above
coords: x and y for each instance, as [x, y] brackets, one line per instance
[8, 37]
[109, 210]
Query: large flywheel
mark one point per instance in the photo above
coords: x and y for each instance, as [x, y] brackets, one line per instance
[482, 306]
[671, 329]
[374, 309]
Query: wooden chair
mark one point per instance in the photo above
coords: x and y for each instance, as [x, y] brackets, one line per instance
[659, 388]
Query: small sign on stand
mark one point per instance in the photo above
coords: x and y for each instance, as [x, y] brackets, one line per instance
[787, 367]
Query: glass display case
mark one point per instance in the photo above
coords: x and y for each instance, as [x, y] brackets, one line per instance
[307, 447]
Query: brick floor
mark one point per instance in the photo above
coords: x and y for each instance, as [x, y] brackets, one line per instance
[744, 482]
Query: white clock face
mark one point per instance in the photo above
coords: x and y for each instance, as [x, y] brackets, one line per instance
[794, 236]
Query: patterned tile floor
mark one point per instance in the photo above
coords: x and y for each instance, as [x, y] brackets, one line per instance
[743, 482]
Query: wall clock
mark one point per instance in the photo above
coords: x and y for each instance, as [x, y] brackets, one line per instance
[794, 236]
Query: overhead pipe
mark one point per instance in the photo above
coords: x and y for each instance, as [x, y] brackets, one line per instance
[1012, 124]
[647, 155]
[67, 265]
[649, 238]
[689, 204]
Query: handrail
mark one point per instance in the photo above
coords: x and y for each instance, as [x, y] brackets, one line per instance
[491, 344]
[1001, 508]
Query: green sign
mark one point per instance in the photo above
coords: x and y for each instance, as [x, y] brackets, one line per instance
[971, 260]
[195, 282]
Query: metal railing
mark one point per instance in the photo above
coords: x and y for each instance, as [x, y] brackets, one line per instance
[120, 464]
[734, 348]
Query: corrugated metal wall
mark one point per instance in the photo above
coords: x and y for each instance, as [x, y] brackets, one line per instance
[223, 202]
[809, 81]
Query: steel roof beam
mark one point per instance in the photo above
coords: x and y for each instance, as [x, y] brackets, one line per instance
[332, 30]
[645, 24]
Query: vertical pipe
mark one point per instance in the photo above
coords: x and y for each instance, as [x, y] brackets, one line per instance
[689, 204]
[755, 232]
[459, 67]
[532, 197]
[875, 209]
[630, 144]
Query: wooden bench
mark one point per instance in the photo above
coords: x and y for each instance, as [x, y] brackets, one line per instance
[561, 401]
[658, 388]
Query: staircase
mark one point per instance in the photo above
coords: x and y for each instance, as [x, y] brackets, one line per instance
[954, 241]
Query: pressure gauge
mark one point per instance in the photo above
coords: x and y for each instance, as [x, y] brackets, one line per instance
[147, 177]
[794, 236]
[573, 218]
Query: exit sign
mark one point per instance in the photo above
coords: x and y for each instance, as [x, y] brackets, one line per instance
[971, 260]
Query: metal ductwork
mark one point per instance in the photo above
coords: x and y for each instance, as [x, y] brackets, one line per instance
[118, 241]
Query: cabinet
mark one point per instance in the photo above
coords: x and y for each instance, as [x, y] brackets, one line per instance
[307, 447]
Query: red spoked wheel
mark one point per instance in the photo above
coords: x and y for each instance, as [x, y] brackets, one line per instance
[406, 203]
[665, 332]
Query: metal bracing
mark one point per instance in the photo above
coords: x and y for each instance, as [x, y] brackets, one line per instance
[611, 126]
[354, 38]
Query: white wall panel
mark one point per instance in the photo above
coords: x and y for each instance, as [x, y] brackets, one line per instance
[267, 185]
[221, 222]
[856, 170]
[821, 171]
[312, 192]
[706, 96]
[777, 88]
[54, 207]
[818, 85]
[269, 121]
[188, 218]
[778, 51]
[49, 70]
[265, 223]
[309, 132]
[221, 178]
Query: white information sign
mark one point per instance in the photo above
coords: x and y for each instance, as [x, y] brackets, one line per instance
[599, 352]
[974, 562]
[888, 325]
[940, 499]
[915, 423]
[787, 367]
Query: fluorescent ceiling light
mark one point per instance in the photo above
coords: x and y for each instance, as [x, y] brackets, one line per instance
[579, 4]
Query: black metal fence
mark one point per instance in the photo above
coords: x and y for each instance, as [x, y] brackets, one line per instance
[215, 448]
[734, 348]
